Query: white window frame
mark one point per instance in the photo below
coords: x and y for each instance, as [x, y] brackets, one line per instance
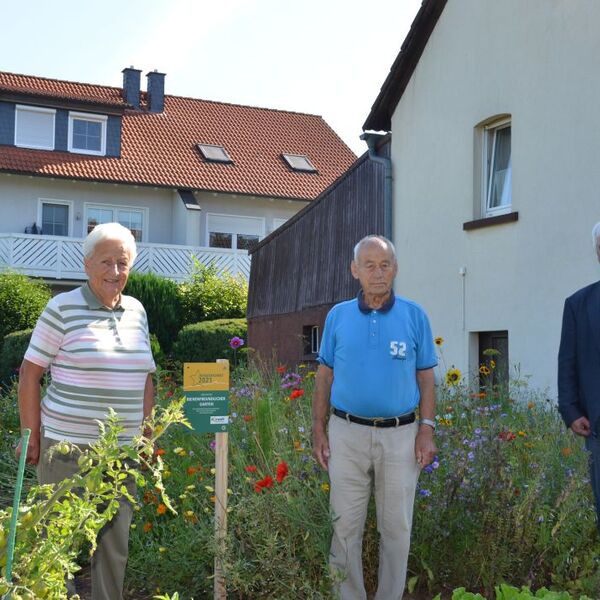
[261, 235]
[143, 209]
[68, 203]
[315, 342]
[38, 109]
[102, 119]
[489, 137]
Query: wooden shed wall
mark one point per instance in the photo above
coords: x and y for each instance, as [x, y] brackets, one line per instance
[307, 262]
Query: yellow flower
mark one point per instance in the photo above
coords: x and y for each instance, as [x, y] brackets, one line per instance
[190, 487]
[453, 376]
[180, 451]
[213, 499]
[439, 341]
[213, 471]
[162, 549]
[166, 474]
[189, 513]
[484, 370]
[492, 364]
[521, 433]
[208, 488]
[325, 487]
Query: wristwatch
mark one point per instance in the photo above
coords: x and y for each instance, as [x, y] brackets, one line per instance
[427, 422]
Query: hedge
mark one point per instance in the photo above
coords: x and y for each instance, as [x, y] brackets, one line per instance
[209, 340]
[13, 349]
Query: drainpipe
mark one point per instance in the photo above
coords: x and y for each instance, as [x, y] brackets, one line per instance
[372, 138]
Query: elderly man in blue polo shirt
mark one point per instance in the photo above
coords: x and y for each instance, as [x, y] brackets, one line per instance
[376, 367]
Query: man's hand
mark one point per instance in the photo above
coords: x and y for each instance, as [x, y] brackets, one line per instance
[581, 426]
[425, 449]
[33, 449]
[321, 447]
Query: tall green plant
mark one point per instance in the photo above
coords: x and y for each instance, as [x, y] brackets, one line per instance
[210, 295]
[161, 300]
[22, 300]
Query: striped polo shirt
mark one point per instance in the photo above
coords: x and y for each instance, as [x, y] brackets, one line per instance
[98, 358]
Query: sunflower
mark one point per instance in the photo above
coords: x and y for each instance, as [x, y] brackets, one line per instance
[453, 376]
[484, 370]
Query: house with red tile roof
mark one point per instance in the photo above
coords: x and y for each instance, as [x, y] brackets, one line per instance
[187, 176]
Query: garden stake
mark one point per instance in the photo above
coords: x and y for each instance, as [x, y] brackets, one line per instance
[12, 532]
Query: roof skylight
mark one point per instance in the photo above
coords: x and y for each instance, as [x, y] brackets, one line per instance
[299, 162]
[214, 153]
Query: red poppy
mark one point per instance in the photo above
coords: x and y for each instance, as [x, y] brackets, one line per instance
[280, 369]
[247, 418]
[267, 482]
[282, 471]
[191, 470]
[506, 436]
[250, 469]
[296, 394]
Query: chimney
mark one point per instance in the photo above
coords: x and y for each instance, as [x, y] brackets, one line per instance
[131, 86]
[156, 91]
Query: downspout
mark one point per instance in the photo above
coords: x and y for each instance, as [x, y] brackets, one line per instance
[372, 138]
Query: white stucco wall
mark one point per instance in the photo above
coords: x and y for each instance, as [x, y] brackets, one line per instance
[537, 61]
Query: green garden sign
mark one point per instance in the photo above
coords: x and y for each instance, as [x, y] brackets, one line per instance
[206, 389]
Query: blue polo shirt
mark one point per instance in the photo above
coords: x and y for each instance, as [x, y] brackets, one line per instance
[375, 355]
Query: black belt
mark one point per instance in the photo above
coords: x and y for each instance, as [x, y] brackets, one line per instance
[377, 422]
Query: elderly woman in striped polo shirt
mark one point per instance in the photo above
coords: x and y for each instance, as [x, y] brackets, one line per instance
[95, 342]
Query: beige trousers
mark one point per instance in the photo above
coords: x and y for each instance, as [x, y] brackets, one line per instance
[110, 558]
[363, 458]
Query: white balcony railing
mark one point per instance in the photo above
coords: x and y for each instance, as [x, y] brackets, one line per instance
[54, 257]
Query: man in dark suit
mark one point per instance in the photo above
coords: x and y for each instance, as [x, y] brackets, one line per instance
[579, 370]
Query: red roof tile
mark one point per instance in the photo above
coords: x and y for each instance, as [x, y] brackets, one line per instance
[160, 148]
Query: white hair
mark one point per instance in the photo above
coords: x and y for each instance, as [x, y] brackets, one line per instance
[595, 236]
[368, 239]
[109, 231]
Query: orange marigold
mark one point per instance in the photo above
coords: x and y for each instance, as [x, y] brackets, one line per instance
[161, 509]
[147, 527]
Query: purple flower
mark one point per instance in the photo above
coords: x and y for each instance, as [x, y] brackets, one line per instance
[290, 380]
[236, 342]
[471, 456]
[212, 445]
[425, 493]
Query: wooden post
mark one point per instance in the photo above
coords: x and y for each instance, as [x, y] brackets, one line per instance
[221, 471]
[221, 450]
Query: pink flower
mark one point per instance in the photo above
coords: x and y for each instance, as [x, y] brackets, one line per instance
[236, 342]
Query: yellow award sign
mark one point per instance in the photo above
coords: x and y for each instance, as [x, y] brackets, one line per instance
[206, 389]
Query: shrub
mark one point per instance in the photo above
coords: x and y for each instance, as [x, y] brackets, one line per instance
[13, 349]
[160, 298]
[209, 340]
[22, 300]
[208, 295]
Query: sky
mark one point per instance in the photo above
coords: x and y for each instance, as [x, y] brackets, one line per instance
[324, 57]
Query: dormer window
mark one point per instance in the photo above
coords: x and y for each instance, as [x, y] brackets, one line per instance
[213, 153]
[34, 127]
[87, 133]
[299, 162]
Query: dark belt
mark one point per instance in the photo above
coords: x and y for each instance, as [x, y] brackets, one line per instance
[377, 422]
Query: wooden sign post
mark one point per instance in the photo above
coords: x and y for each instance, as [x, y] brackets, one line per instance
[206, 388]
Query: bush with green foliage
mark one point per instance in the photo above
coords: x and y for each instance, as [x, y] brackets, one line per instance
[22, 300]
[161, 300]
[209, 340]
[210, 295]
[13, 349]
